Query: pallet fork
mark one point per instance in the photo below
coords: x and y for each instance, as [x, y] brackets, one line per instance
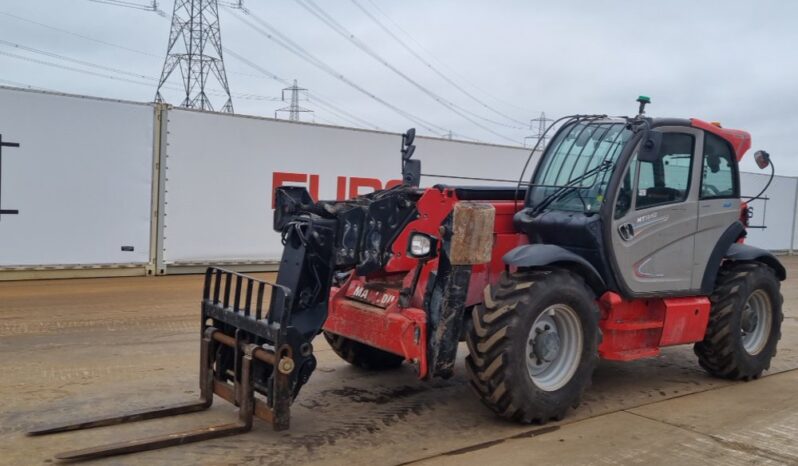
[244, 350]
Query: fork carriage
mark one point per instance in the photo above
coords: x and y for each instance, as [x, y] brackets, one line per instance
[246, 349]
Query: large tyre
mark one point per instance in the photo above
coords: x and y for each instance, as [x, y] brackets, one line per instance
[362, 355]
[744, 322]
[534, 345]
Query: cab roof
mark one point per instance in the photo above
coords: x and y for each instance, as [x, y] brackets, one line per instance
[740, 140]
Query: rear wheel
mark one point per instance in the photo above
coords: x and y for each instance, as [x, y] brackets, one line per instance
[744, 322]
[362, 355]
[533, 344]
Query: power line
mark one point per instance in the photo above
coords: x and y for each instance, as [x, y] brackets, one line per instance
[70, 68]
[111, 44]
[328, 105]
[434, 68]
[105, 68]
[280, 39]
[195, 48]
[92, 39]
[432, 55]
[150, 6]
[319, 13]
[136, 5]
[73, 60]
[329, 21]
[263, 73]
[332, 108]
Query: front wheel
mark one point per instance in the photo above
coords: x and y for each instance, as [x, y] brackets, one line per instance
[533, 344]
[744, 322]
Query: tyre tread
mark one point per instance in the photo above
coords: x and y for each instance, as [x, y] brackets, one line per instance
[489, 344]
[720, 354]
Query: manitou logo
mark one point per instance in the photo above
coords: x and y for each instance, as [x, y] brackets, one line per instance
[347, 187]
[361, 293]
[386, 299]
[380, 299]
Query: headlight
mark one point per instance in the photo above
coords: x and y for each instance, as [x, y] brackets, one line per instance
[421, 245]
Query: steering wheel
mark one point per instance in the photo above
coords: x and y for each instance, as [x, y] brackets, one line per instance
[715, 191]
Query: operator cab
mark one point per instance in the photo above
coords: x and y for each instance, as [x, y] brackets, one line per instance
[648, 203]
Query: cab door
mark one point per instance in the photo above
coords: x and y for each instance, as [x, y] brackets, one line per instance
[655, 219]
[718, 200]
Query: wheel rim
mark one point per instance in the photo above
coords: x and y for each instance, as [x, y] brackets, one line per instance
[554, 347]
[756, 322]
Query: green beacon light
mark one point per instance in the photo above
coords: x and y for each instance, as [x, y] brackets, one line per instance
[643, 99]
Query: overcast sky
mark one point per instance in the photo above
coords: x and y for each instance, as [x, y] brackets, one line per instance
[732, 61]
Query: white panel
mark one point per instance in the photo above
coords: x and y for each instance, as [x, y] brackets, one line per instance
[776, 213]
[794, 243]
[80, 180]
[220, 170]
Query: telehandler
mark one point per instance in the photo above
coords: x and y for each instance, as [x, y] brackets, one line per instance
[628, 237]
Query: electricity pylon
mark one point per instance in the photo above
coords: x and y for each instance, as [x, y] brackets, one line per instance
[195, 48]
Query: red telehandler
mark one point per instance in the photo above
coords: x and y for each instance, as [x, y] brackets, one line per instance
[628, 237]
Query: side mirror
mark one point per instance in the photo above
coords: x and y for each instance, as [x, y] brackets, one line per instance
[411, 169]
[650, 146]
[762, 159]
[409, 137]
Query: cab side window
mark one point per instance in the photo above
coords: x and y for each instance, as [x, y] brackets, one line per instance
[719, 171]
[667, 180]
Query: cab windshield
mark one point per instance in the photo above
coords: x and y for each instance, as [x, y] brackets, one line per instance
[576, 150]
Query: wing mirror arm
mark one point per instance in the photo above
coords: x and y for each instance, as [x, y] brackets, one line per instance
[763, 161]
[411, 169]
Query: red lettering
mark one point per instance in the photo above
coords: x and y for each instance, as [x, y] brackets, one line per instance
[340, 192]
[355, 183]
[314, 187]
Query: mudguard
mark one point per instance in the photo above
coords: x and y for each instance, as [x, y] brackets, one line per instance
[719, 252]
[745, 252]
[540, 255]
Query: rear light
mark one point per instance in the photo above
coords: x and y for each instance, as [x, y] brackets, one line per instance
[746, 213]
